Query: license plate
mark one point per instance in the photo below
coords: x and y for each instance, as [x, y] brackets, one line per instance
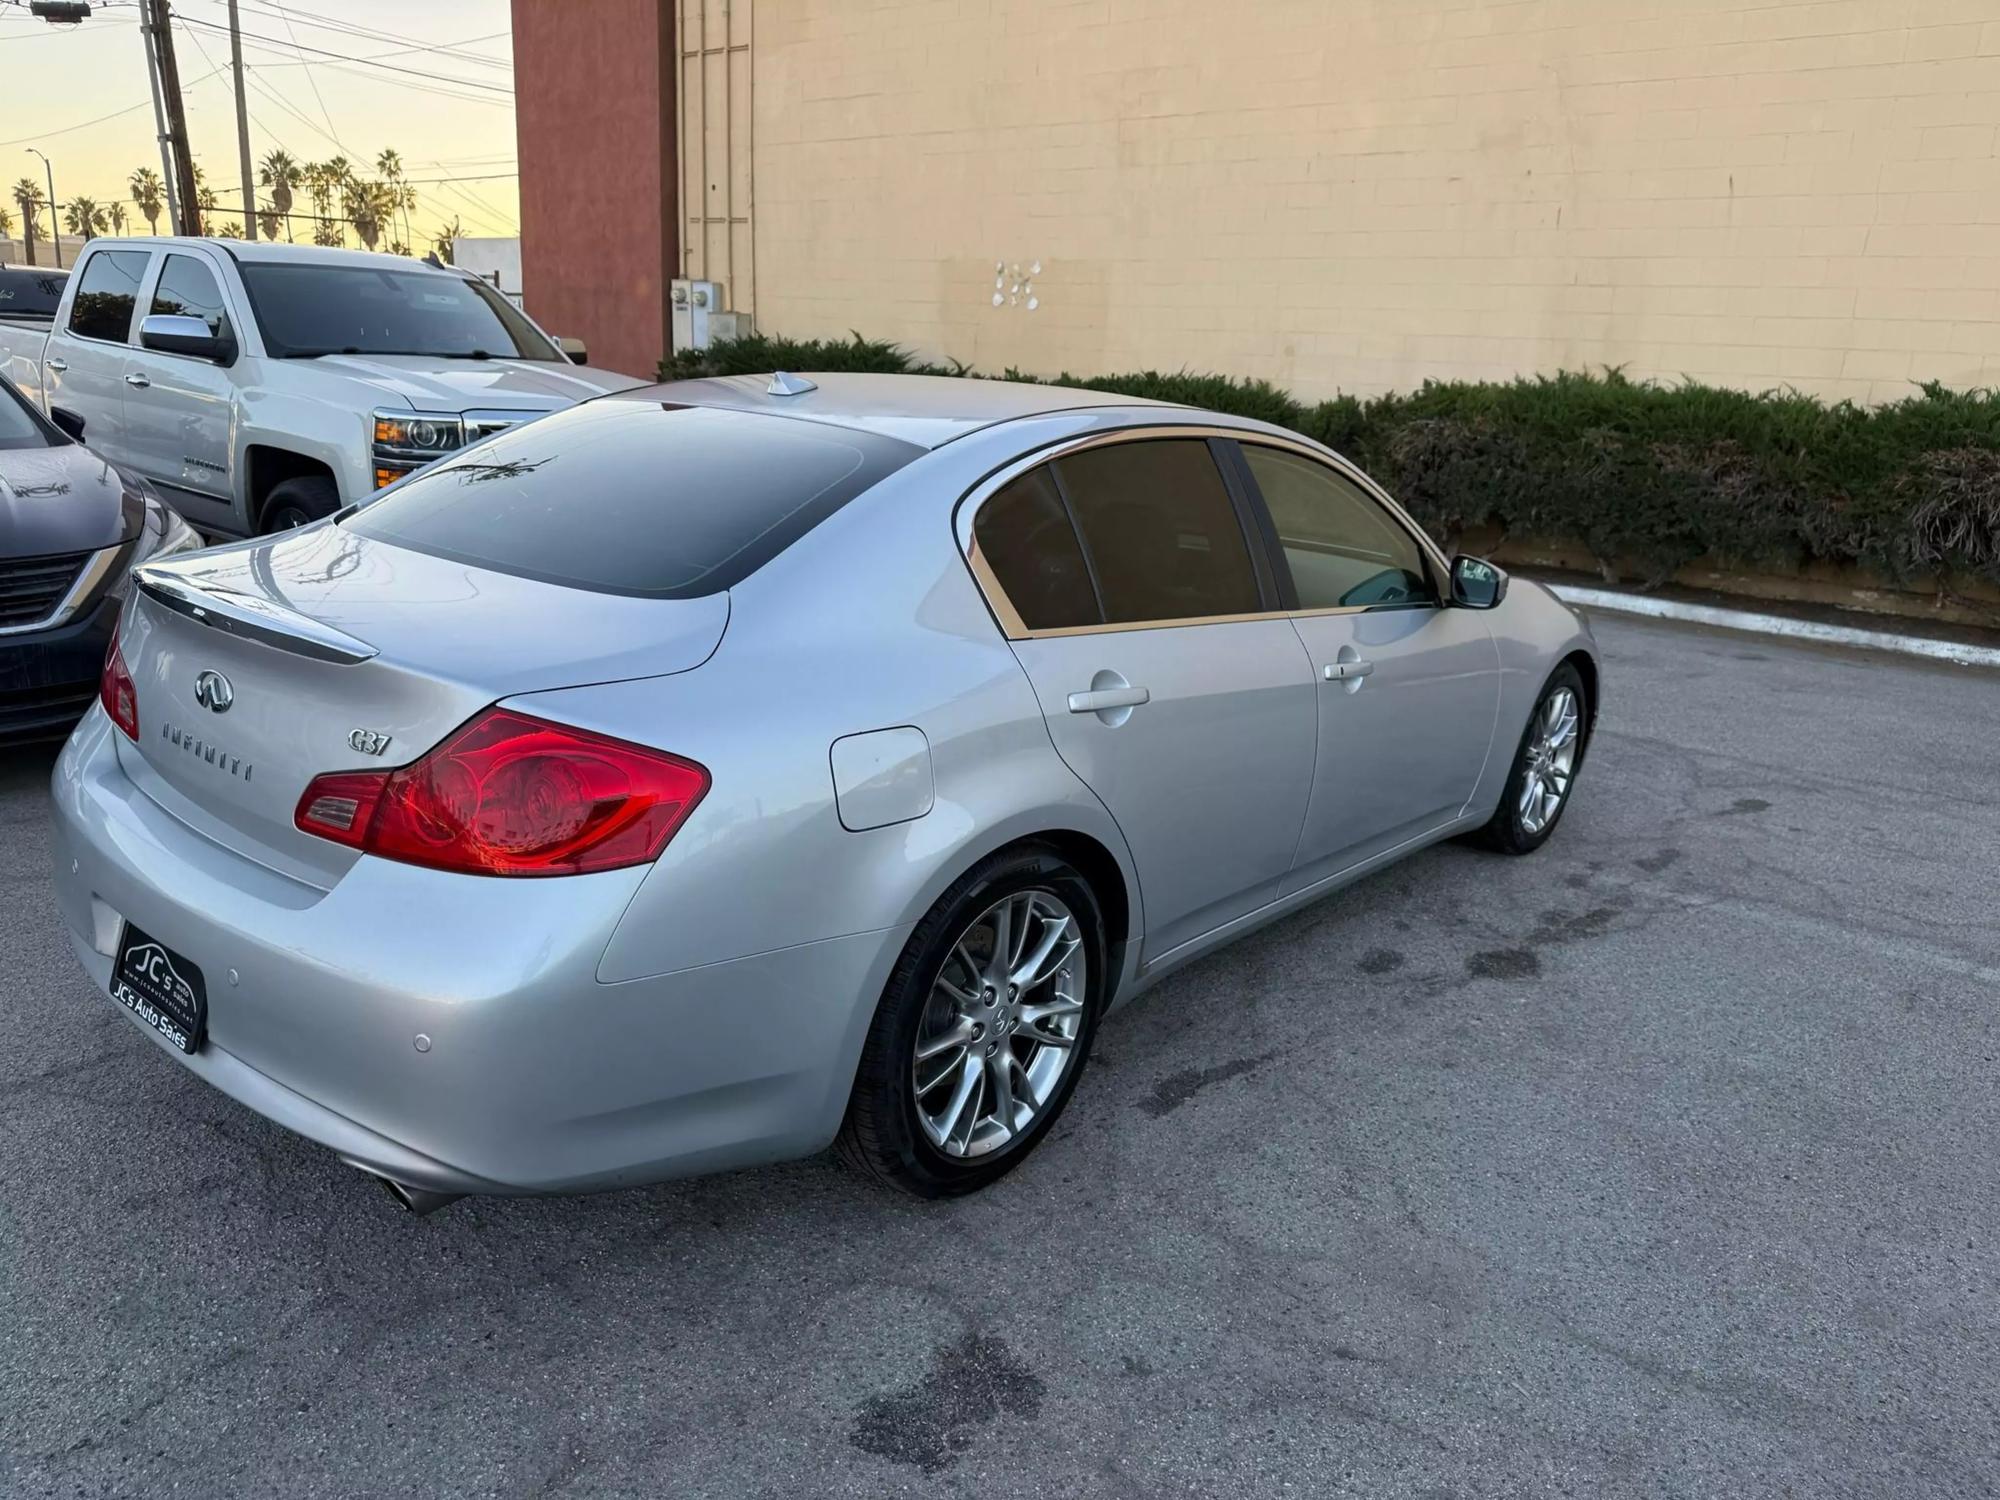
[161, 988]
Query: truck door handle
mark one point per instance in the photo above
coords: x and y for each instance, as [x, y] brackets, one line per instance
[137, 381]
[1099, 699]
[1347, 671]
[58, 365]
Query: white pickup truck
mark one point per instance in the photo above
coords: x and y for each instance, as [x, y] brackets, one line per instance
[260, 386]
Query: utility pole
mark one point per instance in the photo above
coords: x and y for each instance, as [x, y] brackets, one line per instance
[242, 127]
[55, 225]
[160, 120]
[177, 136]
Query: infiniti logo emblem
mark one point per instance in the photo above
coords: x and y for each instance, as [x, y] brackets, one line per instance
[213, 692]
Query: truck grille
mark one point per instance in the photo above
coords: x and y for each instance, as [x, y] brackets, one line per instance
[32, 587]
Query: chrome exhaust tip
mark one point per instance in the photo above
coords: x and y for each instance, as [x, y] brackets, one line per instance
[419, 1201]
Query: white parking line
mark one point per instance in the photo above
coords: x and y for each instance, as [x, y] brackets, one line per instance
[1779, 625]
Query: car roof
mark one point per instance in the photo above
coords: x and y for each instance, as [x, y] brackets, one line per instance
[261, 251]
[926, 410]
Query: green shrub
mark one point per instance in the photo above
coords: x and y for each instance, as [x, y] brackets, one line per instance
[1643, 474]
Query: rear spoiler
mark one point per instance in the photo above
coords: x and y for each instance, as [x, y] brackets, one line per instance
[252, 619]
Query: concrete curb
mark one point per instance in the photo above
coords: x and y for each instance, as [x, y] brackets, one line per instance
[1778, 625]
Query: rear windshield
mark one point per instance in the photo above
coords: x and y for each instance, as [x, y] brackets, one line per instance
[632, 497]
[30, 295]
[306, 310]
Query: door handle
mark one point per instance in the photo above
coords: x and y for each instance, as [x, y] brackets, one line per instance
[60, 366]
[137, 381]
[1098, 700]
[1348, 671]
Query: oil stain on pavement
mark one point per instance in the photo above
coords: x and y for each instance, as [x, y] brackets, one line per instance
[970, 1384]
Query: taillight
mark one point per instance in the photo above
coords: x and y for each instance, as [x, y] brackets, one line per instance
[506, 794]
[115, 690]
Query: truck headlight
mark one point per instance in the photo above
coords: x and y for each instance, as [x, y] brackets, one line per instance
[407, 440]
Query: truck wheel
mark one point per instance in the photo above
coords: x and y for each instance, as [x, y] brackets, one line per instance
[298, 501]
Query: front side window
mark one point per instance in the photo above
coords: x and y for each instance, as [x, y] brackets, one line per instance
[1343, 549]
[106, 295]
[1162, 533]
[20, 427]
[1024, 533]
[306, 310]
[187, 289]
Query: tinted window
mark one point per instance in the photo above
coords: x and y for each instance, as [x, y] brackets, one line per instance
[105, 295]
[1343, 548]
[30, 294]
[1163, 535]
[187, 289]
[307, 310]
[629, 497]
[1025, 536]
[19, 427]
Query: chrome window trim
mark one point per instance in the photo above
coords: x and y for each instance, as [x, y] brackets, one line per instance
[1015, 629]
[89, 578]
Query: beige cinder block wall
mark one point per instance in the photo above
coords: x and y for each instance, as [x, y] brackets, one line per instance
[1358, 194]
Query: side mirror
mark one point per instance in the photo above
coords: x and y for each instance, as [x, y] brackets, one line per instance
[1477, 583]
[578, 355]
[172, 334]
[70, 423]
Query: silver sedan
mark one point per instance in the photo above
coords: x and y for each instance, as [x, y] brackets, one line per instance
[715, 772]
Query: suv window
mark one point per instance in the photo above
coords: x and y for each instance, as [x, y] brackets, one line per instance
[1163, 535]
[630, 496]
[1343, 549]
[1025, 535]
[187, 289]
[30, 295]
[106, 295]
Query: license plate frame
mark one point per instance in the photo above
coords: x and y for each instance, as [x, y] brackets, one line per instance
[162, 988]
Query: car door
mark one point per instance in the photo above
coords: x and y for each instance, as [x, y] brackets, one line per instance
[179, 411]
[1129, 585]
[86, 358]
[1408, 687]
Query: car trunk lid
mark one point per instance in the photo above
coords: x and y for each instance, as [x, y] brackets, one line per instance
[261, 666]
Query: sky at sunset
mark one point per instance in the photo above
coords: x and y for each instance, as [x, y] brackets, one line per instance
[431, 78]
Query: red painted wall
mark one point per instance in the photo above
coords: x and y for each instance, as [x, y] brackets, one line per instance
[594, 120]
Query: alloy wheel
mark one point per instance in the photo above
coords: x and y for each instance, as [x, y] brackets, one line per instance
[1001, 1025]
[1551, 765]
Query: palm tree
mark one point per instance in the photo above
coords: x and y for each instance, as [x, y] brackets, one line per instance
[204, 195]
[271, 221]
[6, 223]
[116, 214]
[150, 196]
[83, 216]
[229, 230]
[280, 174]
[323, 179]
[370, 208]
[441, 241]
[28, 194]
[402, 197]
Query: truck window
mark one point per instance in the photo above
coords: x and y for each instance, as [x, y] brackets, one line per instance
[106, 294]
[187, 289]
[307, 309]
[28, 295]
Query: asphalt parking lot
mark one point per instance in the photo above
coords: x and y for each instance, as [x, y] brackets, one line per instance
[1659, 1163]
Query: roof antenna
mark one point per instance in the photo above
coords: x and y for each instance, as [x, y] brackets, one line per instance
[788, 385]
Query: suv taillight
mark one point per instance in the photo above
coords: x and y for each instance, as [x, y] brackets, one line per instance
[115, 690]
[506, 794]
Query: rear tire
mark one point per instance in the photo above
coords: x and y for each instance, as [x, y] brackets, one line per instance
[1522, 824]
[298, 502]
[981, 1034]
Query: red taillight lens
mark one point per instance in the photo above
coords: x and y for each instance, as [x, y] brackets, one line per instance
[510, 795]
[115, 690]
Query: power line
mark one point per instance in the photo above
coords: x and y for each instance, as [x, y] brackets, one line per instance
[344, 57]
[41, 135]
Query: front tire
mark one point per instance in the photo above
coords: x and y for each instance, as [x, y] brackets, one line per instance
[982, 1030]
[1545, 766]
[298, 502]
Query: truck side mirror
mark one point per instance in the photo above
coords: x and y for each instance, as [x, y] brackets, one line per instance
[70, 423]
[172, 334]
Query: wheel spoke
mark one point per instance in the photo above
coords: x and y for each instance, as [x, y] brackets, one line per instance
[1003, 938]
[1050, 954]
[950, 1067]
[1000, 1087]
[1050, 1010]
[960, 1035]
[969, 1076]
[1047, 1038]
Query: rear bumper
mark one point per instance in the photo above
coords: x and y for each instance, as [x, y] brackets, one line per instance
[532, 1076]
[48, 678]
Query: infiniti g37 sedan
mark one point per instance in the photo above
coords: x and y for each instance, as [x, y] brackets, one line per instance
[719, 771]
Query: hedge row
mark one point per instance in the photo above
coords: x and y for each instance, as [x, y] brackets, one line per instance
[1646, 476]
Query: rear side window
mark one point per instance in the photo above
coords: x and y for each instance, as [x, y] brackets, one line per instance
[1163, 535]
[105, 295]
[29, 295]
[187, 289]
[632, 497]
[1024, 533]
